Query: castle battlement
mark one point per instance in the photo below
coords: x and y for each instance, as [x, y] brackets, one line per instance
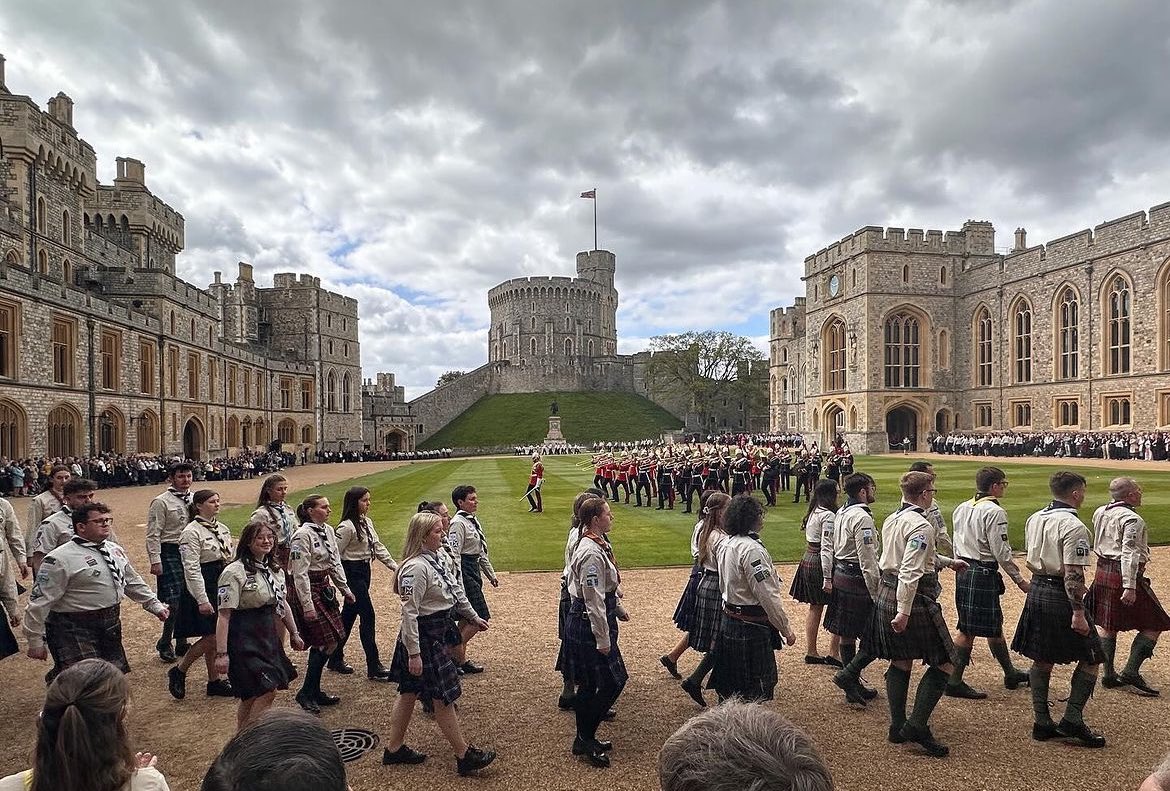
[977, 237]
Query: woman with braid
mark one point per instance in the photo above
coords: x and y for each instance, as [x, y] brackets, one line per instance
[205, 547]
[568, 689]
[707, 612]
[272, 510]
[247, 644]
[808, 582]
[319, 584]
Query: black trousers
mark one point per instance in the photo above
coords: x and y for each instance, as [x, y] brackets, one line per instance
[804, 484]
[357, 572]
[643, 482]
[769, 489]
[665, 492]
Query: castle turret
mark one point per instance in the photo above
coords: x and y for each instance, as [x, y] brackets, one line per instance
[598, 266]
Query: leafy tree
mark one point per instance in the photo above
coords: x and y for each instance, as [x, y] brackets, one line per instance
[448, 377]
[704, 368]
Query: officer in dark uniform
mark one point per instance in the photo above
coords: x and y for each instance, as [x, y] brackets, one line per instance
[785, 470]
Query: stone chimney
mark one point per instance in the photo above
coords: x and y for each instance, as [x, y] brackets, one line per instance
[61, 108]
[1021, 240]
[131, 173]
[3, 86]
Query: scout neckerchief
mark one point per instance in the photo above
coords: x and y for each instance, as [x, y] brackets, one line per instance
[185, 496]
[323, 534]
[1058, 505]
[266, 572]
[605, 547]
[984, 496]
[365, 531]
[212, 527]
[909, 507]
[474, 523]
[278, 512]
[103, 550]
[1120, 504]
[448, 585]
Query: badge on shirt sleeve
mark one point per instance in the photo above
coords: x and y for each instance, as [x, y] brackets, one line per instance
[91, 561]
[35, 594]
[867, 535]
[1082, 548]
[50, 561]
[760, 575]
[916, 543]
[118, 553]
[406, 584]
[591, 577]
[295, 554]
[223, 595]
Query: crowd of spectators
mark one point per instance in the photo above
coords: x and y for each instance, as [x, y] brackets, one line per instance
[1144, 445]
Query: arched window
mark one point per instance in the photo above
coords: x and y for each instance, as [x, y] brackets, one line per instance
[42, 262]
[148, 432]
[944, 350]
[306, 434]
[834, 345]
[902, 351]
[983, 347]
[1022, 341]
[64, 430]
[12, 427]
[172, 322]
[784, 389]
[590, 348]
[1068, 342]
[331, 390]
[286, 431]
[533, 347]
[345, 394]
[41, 219]
[905, 273]
[67, 272]
[1118, 312]
[66, 236]
[942, 275]
[568, 347]
[233, 432]
[111, 432]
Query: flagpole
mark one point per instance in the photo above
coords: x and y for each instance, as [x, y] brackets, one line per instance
[595, 219]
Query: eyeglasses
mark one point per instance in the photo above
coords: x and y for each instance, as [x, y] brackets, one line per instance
[106, 520]
[930, 490]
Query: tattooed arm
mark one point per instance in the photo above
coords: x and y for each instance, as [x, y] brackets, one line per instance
[1074, 586]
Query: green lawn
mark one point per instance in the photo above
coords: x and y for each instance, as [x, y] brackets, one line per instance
[522, 418]
[520, 541]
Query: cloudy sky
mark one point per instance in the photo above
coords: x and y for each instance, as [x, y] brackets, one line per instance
[413, 154]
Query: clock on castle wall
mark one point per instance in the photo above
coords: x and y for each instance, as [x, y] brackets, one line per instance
[834, 285]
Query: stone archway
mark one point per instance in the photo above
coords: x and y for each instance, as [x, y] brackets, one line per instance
[395, 441]
[832, 426]
[194, 439]
[942, 421]
[902, 423]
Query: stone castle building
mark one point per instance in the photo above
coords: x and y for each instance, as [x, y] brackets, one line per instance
[903, 332]
[104, 349]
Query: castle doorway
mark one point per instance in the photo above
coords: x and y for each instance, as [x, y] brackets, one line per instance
[395, 442]
[942, 421]
[193, 440]
[902, 423]
[833, 426]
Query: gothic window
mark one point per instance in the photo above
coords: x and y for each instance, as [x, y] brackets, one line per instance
[983, 369]
[331, 392]
[64, 429]
[1022, 342]
[64, 351]
[942, 275]
[1117, 411]
[834, 344]
[568, 347]
[346, 392]
[1068, 329]
[944, 350]
[41, 220]
[533, 347]
[66, 237]
[1118, 313]
[9, 342]
[905, 273]
[1068, 413]
[902, 351]
[286, 431]
[12, 427]
[148, 432]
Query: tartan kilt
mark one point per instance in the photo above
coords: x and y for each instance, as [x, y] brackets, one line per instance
[437, 633]
[707, 613]
[1043, 633]
[473, 585]
[256, 659]
[926, 637]
[190, 622]
[90, 634]
[1104, 602]
[583, 663]
[850, 605]
[684, 611]
[808, 584]
[977, 592]
[327, 630]
[562, 617]
[170, 582]
[745, 662]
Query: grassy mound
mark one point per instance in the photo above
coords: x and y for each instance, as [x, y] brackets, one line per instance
[522, 418]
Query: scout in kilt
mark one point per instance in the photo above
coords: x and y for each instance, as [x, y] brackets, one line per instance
[205, 546]
[164, 524]
[809, 581]
[449, 560]
[907, 622]
[319, 584]
[851, 577]
[248, 646]
[1121, 595]
[467, 540]
[1055, 628]
[74, 605]
[272, 510]
[707, 610]
[57, 528]
[684, 610]
[423, 665]
[568, 689]
[981, 540]
[592, 658]
[753, 615]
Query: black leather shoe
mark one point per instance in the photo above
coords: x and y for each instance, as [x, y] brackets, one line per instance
[851, 686]
[220, 688]
[895, 735]
[965, 691]
[582, 747]
[695, 691]
[473, 760]
[670, 665]
[403, 755]
[1138, 685]
[377, 672]
[339, 666]
[1081, 732]
[832, 661]
[469, 668]
[325, 699]
[1043, 731]
[869, 693]
[308, 703]
[592, 752]
[565, 702]
[177, 683]
[1112, 682]
[925, 739]
[1016, 679]
[165, 652]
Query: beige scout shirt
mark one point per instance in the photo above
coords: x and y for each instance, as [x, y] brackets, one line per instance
[467, 538]
[591, 578]
[240, 589]
[12, 532]
[908, 550]
[202, 542]
[981, 533]
[747, 576]
[164, 523]
[352, 544]
[1055, 537]
[855, 541]
[427, 587]
[41, 508]
[55, 531]
[76, 578]
[716, 539]
[280, 517]
[314, 549]
[1121, 534]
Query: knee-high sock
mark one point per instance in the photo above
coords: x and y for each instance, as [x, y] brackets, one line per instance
[859, 663]
[316, 664]
[897, 690]
[962, 659]
[1083, 684]
[1141, 650]
[1109, 645]
[999, 650]
[848, 651]
[930, 689]
[1038, 680]
[704, 667]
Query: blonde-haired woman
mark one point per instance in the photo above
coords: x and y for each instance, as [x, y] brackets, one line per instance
[423, 665]
[707, 611]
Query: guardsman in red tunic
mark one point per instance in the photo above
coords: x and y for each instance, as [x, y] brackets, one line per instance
[535, 480]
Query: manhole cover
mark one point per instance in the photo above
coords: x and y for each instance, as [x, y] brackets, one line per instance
[354, 743]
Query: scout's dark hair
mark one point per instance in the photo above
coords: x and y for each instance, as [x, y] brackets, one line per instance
[81, 734]
[713, 514]
[589, 494]
[284, 750]
[429, 507]
[306, 505]
[79, 486]
[199, 498]
[244, 545]
[856, 482]
[824, 496]
[266, 488]
[56, 468]
[590, 509]
[178, 467]
[349, 506]
[82, 514]
[988, 477]
[461, 493]
[1063, 483]
[742, 515]
[921, 466]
